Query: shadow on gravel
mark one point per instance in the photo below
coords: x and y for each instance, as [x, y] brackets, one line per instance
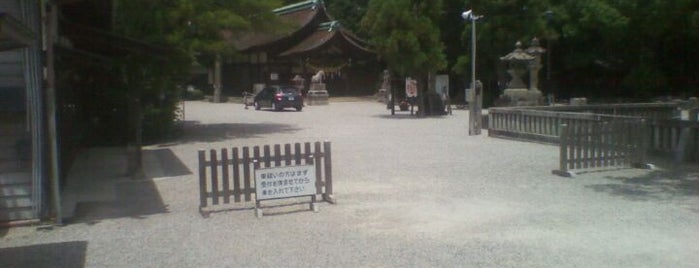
[196, 132]
[662, 184]
[66, 254]
[408, 116]
[171, 165]
[280, 111]
[134, 199]
[274, 208]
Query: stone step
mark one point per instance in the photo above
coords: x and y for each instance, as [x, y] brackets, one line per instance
[11, 57]
[16, 191]
[12, 129]
[12, 202]
[16, 200]
[17, 214]
[13, 165]
[11, 70]
[15, 178]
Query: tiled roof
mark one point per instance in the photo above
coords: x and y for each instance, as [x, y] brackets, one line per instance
[311, 30]
[297, 17]
[329, 35]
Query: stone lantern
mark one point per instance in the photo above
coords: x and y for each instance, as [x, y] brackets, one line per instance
[535, 65]
[518, 63]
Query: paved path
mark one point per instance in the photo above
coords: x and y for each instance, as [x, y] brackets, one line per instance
[412, 192]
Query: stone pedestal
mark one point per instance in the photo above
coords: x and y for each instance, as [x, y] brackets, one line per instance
[578, 101]
[317, 95]
[522, 97]
[382, 95]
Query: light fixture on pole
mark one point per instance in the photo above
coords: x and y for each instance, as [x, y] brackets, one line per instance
[474, 105]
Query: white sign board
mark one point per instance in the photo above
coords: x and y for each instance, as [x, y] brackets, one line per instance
[442, 86]
[410, 87]
[283, 182]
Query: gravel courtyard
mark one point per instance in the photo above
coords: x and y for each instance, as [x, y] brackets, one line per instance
[411, 192]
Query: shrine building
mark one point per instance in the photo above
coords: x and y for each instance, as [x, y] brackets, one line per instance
[313, 42]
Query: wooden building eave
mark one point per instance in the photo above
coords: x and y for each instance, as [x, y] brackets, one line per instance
[302, 18]
[107, 44]
[325, 41]
[13, 34]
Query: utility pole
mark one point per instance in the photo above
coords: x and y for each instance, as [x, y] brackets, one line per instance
[474, 117]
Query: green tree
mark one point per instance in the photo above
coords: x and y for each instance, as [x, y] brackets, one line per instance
[181, 31]
[405, 35]
[199, 26]
[627, 48]
[150, 82]
[504, 22]
[349, 13]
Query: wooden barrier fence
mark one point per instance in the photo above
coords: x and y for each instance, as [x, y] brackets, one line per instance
[540, 125]
[593, 145]
[644, 110]
[226, 178]
[676, 138]
[668, 137]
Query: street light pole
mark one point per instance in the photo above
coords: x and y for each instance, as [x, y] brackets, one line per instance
[475, 104]
[473, 54]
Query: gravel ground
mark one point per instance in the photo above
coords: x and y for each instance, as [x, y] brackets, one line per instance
[411, 192]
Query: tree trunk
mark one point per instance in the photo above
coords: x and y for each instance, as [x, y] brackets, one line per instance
[135, 141]
[421, 90]
[217, 79]
[426, 91]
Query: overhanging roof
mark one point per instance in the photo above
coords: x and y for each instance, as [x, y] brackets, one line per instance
[330, 39]
[104, 43]
[301, 17]
[13, 34]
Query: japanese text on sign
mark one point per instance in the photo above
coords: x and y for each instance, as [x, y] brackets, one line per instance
[288, 181]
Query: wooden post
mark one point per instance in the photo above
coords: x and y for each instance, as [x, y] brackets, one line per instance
[319, 175]
[308, 155]
[298, 155]
[563, 157]
[309, 160]
[327, 163]
[287, 154]
[606, 144]
[597, 144]
[51, 112]
[577, 136]
[224, 176]
[246, 172]
[277, 155]
[643, 146]
[236, 175]
[475, 106]
[570, 144]
[586, 134]
[214, 177]
[202, 179]
[266, 157]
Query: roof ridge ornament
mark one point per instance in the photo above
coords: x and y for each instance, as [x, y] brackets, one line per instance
[310, 4]
[330, 25]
